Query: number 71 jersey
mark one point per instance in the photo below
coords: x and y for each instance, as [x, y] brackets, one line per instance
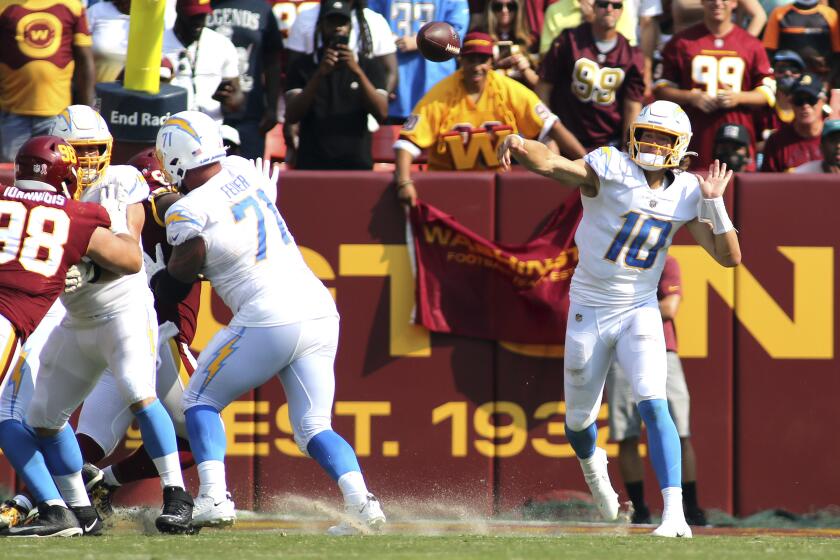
[251, 260]
[626, 230]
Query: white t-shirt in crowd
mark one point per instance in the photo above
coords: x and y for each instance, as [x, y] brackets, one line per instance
[201, 67]
[302, 34]
[109, 29]
[810, 167]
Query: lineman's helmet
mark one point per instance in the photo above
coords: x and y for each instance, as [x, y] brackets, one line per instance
[84, 129]
[47, 159]
[187, 140]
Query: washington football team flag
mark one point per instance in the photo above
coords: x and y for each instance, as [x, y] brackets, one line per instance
[471, 286]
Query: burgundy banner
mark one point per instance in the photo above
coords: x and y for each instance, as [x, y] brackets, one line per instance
[471, 286]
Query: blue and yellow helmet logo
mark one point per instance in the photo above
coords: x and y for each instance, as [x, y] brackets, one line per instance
[183, 125]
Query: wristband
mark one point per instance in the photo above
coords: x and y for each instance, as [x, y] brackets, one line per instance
[713, 211]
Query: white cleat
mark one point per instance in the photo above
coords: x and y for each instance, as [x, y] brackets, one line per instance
[362, 519]
[209, 512]
[673, 529]
[598, 479]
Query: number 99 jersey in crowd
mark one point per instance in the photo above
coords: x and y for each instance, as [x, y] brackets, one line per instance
[105, 298]
[626, 230]
[251, 257]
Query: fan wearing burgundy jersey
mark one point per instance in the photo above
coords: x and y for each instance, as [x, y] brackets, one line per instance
[719, 73]
[47, 233]
[593, 80]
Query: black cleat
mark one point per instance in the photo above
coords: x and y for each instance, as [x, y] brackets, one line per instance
[695, 516]
[99, 492]
[89, 520]
[641, 516]
[51, 521]
[176, 517]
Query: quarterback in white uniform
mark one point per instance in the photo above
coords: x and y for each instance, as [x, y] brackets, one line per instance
[633, 205]
[228, 228]
[110, 325]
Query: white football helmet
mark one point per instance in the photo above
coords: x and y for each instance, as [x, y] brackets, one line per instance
[665, 117]
[187, 140]
[85, 129]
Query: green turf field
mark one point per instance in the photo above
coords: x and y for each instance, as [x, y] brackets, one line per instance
[253, 545]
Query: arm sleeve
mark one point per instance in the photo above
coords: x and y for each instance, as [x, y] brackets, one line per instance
[422, 125]
[603, 161]
[634, 80]
[183, 223]
[670, 282]
[533, 118]
[771, 30]
[81, 31]
[380, 33]
[553, 66]
[671, 71]
[272, 38]
[296, 74]
[375, 71]
[457, 14]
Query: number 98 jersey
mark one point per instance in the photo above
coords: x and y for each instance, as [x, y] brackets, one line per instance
[626, 230]
[252, 259]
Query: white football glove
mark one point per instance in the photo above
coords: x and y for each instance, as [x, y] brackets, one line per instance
[78, 275]
[153, 265]
[269, 171]
[112, 197]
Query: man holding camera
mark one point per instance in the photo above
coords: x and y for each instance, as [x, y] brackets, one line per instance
[331, 94]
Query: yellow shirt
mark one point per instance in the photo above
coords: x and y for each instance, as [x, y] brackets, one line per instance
[566, 13]
[461, 134]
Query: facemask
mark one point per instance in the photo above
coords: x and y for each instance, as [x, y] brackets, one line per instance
[650, 162]
[785, 83]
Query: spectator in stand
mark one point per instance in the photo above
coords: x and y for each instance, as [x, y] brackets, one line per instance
[416, 74]
[732, 147]
[463, 118]
[748, 14]
[252, 28]
[108, 22]
[788, 67]
[370, 36]
[626, 423]
[46, 64]
[637, 23]
[830, 149]
[805, 23]
[718, 73]
[514, 53]
[798, 142]
[206, 63]
[593, 80]
[331, 94]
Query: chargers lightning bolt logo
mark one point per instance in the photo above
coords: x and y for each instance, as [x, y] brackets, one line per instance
[219, 359]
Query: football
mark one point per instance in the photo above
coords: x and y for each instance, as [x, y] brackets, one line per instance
[438, 41]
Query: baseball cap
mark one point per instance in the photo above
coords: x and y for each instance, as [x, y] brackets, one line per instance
[809, 83]
[191, 8]
[732, 132]
[830, 127]
[336, 7]
[785, 55]
[476, 42]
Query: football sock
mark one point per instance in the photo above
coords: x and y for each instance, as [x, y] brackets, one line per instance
[689, 491]
[20, 445]
[663, 442]
[333, 454]
[353, 488]
[207, 433]
[159, 438]
[636, 491]
[672, 500]
[64, 460]
[211, 475]
[583, 442]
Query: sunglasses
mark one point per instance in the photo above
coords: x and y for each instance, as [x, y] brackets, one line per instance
[604, 5]
[802, 100]
[499, 6]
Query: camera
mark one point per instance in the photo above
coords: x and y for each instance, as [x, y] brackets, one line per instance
[505, 48]
[338, 40]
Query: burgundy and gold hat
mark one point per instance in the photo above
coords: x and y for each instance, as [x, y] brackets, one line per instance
[477, 43]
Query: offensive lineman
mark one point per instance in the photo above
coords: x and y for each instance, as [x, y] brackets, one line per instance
[59, 232]
[110, 324]
[633, 204]
[228, 228]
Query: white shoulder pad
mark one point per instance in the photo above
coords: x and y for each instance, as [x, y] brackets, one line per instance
[608, 163]
[135, 185]
[183, 222]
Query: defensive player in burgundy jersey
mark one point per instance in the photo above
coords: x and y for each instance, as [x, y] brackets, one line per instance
[593, 80]
[176, 364]
[719, 74]
[47, 232]
[633, 204]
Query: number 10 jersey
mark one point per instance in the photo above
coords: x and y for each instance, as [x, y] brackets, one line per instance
[626, 230]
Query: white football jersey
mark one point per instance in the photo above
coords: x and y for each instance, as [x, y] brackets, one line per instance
[252, 259]
[626, 230]
[106, 298]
